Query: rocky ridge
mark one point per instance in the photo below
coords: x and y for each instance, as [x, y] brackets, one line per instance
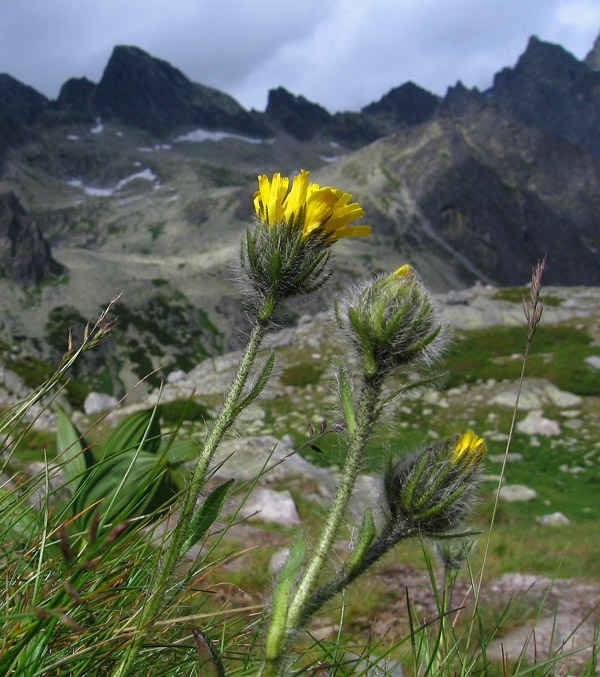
[133, 196]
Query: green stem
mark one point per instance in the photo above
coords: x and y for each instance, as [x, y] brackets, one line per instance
[296, 616]
[389, 538]
[170, 559]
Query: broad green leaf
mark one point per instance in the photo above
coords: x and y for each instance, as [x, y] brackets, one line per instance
[129, 483]
[207, 514]
[72, 451]
[132, 430]
[180, 450]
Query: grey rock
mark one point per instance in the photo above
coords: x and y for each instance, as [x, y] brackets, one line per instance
[593, 361]
[534, 394]
[536, 424]
[24, 253]
[510, 457]
[272, 506]
[13, 382]
[248, 456]
[517, 492]
[176, 376]
[97, 402]
[554, 519]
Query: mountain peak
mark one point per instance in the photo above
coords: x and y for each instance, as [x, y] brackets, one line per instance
[593, 56]
[408, 104]
[298, 116]
[150, 93]
[19, 101]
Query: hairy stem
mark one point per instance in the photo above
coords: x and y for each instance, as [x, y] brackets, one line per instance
[388, 538]
[296, 616]
[171, 557]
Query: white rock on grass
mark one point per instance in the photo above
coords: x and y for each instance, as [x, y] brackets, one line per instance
[272, 506]
[510, 457]
[517, 492]
[176, 376]
[536, 424]
[593, 361]
[554, 519]
[97, 402]
[534, 394]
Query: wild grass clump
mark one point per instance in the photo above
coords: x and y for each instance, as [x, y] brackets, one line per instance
[112, 565]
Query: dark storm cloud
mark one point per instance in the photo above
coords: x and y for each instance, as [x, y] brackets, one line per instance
[341, 53]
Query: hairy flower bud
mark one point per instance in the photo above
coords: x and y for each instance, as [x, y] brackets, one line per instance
[287, 250]
[431, 490]
[393, 322]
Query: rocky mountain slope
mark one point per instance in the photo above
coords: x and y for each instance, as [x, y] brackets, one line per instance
[143, 183]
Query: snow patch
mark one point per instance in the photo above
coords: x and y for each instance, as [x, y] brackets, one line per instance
[329, 158]
[144, 175]
[73, 137]
[99, 128]
[199, 135]
[98, 192]
[157, 146]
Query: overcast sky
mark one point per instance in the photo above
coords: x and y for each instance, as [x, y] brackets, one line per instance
[343, 54]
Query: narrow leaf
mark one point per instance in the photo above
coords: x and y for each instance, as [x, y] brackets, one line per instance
[207, 514]
[367, 534]
[282, 596]
[257, 386]
[346, 398]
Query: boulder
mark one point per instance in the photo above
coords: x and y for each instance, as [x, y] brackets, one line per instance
[535, 423]
[98, 402]
[24, 253]
[554, 519]
[277, 507]
[516, 492]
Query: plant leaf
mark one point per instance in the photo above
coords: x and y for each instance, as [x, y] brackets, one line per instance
[207, 514]
[257, 386]
[131, 431]
[75, 456]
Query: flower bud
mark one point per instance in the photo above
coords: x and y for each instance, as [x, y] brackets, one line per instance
[432, 490]
[393, 322]
[287, 250]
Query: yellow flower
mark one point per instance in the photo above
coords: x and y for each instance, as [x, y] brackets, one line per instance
[469, 448]
[308, 206]
[403, 271]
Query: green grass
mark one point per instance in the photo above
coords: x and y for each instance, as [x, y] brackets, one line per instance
[558, 354]
[516, 295]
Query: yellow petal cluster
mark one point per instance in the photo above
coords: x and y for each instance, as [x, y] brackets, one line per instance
[469, 449]
[309, 206]
[403, 271]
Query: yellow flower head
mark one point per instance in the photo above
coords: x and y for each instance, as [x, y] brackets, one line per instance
[469, 449]
[307, 205]
[403, 271]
